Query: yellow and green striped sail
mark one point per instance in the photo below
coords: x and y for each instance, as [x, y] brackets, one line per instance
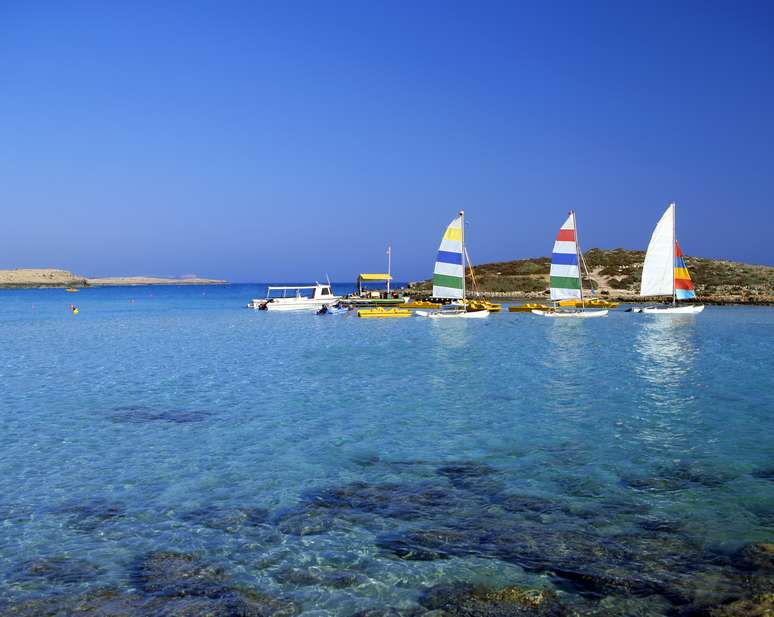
[449, 273]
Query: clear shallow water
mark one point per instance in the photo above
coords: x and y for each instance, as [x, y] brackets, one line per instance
[307, 455]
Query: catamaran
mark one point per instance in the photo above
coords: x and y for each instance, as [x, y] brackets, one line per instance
[664, 272]
[449, 275]
[566, 280]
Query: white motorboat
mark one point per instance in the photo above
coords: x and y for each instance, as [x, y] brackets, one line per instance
[295, 298]
[664, 272]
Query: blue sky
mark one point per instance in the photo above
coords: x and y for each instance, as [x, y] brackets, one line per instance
[260, 142]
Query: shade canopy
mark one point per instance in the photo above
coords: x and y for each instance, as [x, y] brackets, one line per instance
[364, 278]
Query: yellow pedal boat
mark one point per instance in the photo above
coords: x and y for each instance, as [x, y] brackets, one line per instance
[383, 313]
[590, 303]
[420, 304]
[484, 305]
[527, 308]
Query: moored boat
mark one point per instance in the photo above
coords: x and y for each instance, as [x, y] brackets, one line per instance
[420, 304]
[566, 280]
[664, 272]
[293, 298]
[449, 275]
[383, 313]
[527, 308]
[590, 303]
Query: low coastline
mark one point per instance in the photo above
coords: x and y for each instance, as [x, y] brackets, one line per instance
[41, 278]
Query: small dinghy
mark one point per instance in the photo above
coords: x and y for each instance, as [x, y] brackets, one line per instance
[332, 309]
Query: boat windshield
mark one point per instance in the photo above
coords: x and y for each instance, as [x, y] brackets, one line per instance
[290, 292]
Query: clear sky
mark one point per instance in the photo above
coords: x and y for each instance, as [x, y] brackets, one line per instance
[259, 142]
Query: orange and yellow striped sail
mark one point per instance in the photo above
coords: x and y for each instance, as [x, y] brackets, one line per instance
[683, 284]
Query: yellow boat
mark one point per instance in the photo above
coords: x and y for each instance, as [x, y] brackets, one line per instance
[590, 303]
[71, 290]
[484, 305]
[383, 313]
[420, 304]
[527, 308]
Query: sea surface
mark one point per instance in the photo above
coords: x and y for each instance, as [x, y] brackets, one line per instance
[168, 443]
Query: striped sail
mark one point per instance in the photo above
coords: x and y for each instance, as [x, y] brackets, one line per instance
[565, 274]
[683, 284]
[449, 275]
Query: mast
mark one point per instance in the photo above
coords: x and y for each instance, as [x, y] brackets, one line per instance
[578, 256]
[674, 251]
[462, 234]
[389, 265]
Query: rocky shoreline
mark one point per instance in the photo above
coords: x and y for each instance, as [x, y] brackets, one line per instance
[34, 278]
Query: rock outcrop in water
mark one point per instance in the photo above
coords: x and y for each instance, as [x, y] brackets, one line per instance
[460, 509]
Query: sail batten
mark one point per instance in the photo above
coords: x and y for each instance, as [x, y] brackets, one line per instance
[449, 273]
[565, 272]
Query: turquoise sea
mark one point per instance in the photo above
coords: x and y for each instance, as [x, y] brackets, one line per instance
[167, 450]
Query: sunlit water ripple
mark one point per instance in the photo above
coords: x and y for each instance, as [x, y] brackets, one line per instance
[307, 455]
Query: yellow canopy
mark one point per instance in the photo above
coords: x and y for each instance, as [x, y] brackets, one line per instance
[374, 277]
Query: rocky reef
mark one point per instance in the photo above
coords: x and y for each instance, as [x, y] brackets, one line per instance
[611, 556]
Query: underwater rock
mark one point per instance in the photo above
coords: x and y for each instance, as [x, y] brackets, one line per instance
[679, 476]
[659, 525]
[757, 557]
[56, 570]
[231, 603]
[388, 500]
[227, 519]
[113, 603]
[305, 521]
[471, 476]
[178, 574]
[89, 516]
[528, 504]
[389, 611]
[757, 606]
[95, 603]
[426, 544]
[321, 577]
[464, 600]
[133, 414]
[764, 474]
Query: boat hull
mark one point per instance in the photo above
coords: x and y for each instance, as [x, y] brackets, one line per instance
[453, 314]
[383, 313]
[693, 309]
[306, 305]
[571, 314]
[527, 308]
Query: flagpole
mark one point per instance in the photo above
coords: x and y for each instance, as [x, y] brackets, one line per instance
[389, 267]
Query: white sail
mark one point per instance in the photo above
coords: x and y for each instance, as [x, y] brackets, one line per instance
[658, 271]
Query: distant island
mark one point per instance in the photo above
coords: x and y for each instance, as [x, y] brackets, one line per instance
[50, 277]
[615, 274]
